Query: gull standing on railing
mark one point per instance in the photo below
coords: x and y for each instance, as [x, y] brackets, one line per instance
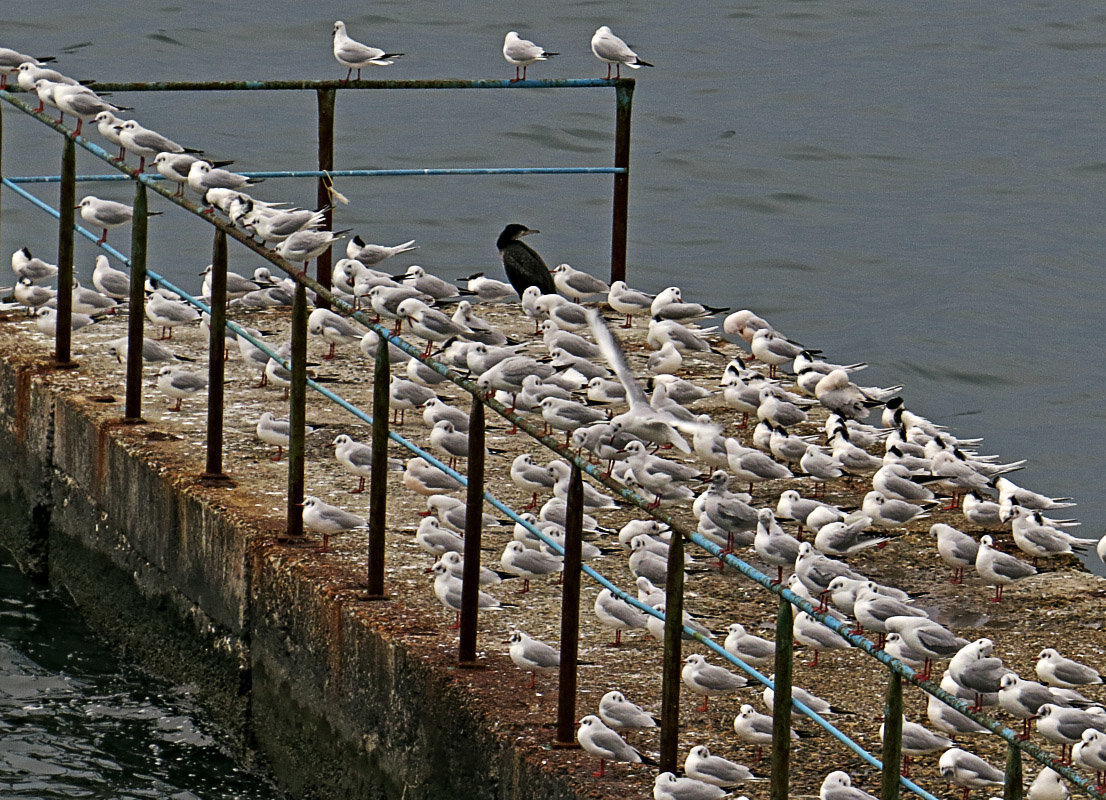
[78, 101]
[522, 53]
[12, 60]
[149, 143]
[609, 49]
[355, 55]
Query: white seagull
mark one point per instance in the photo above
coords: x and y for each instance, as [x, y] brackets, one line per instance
[522, 53]
[179, 383]
[355, 55]
[610, 49]
[533, 655]
[105, 214]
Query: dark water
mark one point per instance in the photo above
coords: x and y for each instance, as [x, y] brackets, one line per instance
[74, 722]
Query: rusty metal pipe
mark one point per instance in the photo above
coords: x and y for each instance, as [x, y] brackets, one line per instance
[216, 364]
[136, 319]
[297, 411]
[325, 98]
[474, 523]
[63, 335]
[570, 611]
[892, 739]
[378, 486]
[673, 654]
[781, 704]
[624, 96]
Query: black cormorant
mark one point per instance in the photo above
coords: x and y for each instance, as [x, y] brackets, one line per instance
[524, 267]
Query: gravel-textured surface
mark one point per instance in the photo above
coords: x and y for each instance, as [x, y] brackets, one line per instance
[1061, 607]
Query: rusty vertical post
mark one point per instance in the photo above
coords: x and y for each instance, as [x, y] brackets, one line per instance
[378, 486]
[474, 520]
[892, 739]
[781, 704]
[1012, 788]
[624, 96]
[136, 317]
[63, 336]
[1, 172]
[673, 654]
[570, 610]
[215, 363]
[297, 411]
[325, 99]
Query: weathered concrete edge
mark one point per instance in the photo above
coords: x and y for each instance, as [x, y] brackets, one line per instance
[334, 707]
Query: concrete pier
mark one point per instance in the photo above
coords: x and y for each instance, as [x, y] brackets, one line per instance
[339, 697]
[343, 696]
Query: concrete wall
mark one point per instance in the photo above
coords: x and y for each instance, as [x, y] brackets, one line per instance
[192, 588]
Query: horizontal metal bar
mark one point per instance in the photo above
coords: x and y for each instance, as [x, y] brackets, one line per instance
[373, 173]
[354, 173]
[448, 83]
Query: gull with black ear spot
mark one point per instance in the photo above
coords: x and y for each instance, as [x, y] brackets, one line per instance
[355, 55]
[619, 713]
[611, 50]
[522, 53]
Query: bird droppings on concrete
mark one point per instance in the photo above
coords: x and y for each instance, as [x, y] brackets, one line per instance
[1031, 615]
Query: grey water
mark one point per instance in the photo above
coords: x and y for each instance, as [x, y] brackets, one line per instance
[917, 185]
[75, 722]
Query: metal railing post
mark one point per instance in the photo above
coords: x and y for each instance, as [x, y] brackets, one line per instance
[1, 172]
[325, 99]
[215, 363]
[297, 407]
[892, 739]
[673, 654]
[474, 523]
[781, 703]
[1012, 786]
[378, 486]
[570, 611]
[136, 319]
[624, 96]
[63, 336]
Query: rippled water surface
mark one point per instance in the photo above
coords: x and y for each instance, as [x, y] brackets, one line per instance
[74, 722]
